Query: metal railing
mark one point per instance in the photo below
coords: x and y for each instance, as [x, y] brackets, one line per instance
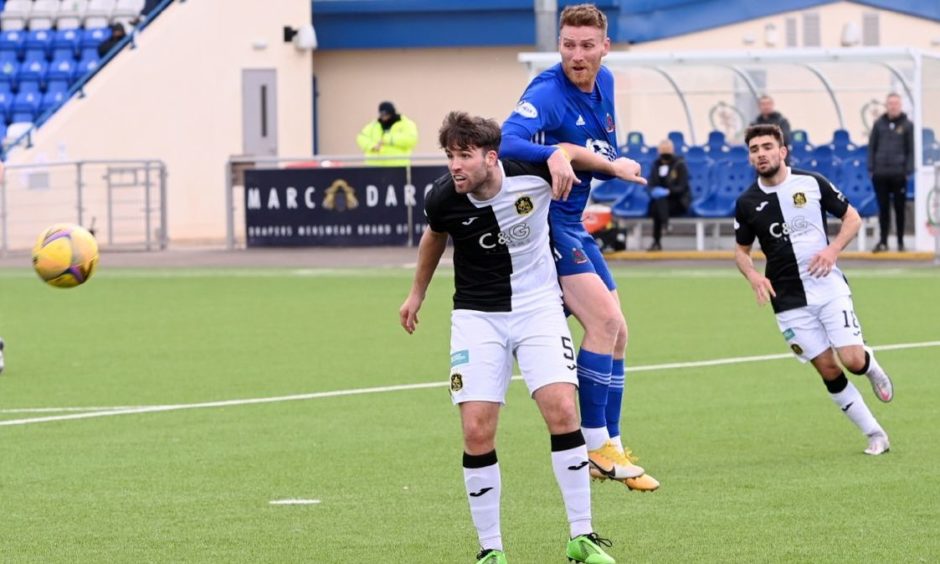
[122, 201]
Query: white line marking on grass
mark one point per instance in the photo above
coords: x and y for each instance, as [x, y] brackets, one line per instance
[64, 409]
[401, 387]
[294, 502]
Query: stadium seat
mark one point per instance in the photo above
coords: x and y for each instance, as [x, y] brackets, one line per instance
[825, 163]
[609, 190]
[60, 75]
[931, 147]
[737, 154]
[857, 187]
[6, 101]
[635, 203]
[700, 168]
[127, 11]
[84, 67]
[37, 45]
[31, 76]
[65, 43]
[730, 180]
[717, 145]
[14, 15]
[25, 106]
[678, 142]
[43, 14]
[800, 147]
[70, 14]
[842, 146]
[12, 42]
[90, 39]
[98, 13]
[8, 72]
[51, 100]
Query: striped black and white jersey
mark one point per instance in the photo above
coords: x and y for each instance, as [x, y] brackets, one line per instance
[789, 220]
[502, 257]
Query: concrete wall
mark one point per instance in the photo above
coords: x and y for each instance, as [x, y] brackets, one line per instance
[178, 97]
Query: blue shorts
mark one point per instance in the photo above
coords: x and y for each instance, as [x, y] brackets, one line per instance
[576, 252]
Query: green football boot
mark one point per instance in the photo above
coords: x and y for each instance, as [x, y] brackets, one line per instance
[491, 556]
[587, 549]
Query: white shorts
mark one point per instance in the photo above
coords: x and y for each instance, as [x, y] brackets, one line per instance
[483, 344]
[810, 330]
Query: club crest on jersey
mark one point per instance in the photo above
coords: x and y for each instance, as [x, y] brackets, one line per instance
[609, 121]
[456, 382]
[524, 205]
[579, 256]
[799, 199]
[526, 110]
[797, 349]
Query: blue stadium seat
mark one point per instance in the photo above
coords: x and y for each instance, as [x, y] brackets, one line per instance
[857, 187]
[51, 100]
[825, 163]
[842, 146]
[12, 41]
[6, 101]
[800, 147]
[84, 67]
[931, 147]
[8, 72]
[31, 75]
[25, 106]
[65, 43]
[634, 204]
[716, 145]
[700, 169]
[678, 142]
[737, 154]
[731, 178]
[609, 190]
[90, 40]
[37, 45]
[910, 188]
[60, 75]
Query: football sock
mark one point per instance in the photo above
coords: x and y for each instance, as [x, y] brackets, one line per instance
[481, 478]
[570, 463]
[845, 395]
[615, 399]
[617, 442]
[593, 381]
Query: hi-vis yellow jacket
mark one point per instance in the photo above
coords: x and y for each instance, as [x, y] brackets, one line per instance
[399, 140]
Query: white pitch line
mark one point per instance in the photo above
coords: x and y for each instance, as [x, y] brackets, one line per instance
[64, 409]
[294, 502]
[401, 387]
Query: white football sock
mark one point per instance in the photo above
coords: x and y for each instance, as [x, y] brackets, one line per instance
[595, 437]
[617, 442]
[851, 403]
[571, 472]
[483, 492]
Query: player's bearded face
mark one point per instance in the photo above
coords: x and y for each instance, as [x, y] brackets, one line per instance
[470, 168]
[766, 155]
[582, 49]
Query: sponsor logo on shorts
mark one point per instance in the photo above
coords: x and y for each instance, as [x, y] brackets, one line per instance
[797, 349]
[524, 205]
[799, 199]
[788, 334]
[460, 357]
[456, 382]
[579, 256]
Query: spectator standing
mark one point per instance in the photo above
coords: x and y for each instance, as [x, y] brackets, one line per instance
[390, 135]
[890, 161]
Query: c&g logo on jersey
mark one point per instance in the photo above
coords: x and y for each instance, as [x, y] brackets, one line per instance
[797, 225]
[512, 237]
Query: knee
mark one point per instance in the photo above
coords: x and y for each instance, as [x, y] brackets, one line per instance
[608, 325]
[853, 359]
[563, 418]
[478, 439]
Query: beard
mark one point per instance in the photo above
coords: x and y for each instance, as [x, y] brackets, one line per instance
[770, 172]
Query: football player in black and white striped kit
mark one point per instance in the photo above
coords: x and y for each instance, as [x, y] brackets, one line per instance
[785, 209]
[507, 304]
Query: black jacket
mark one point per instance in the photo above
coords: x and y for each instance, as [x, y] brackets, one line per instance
[676, 180]
[775, 118]
[891, 146]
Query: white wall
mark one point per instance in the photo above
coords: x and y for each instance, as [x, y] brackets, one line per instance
[178, 97]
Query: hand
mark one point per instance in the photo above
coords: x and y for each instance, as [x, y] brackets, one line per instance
[377, 147]
[563, 176]
[629, 170]
[763, 289]
[822, 262]
[408, 313]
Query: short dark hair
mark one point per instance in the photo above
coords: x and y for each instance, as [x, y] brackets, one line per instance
[460, 130]
[583, 15]
[763, 129]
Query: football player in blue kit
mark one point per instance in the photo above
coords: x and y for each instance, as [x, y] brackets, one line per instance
[573, 102]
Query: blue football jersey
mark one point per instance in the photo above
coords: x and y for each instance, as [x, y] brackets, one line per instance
[553, 110]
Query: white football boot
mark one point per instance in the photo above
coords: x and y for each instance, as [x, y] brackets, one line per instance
[878, 443]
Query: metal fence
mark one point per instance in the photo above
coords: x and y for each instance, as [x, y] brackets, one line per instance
[122, 201]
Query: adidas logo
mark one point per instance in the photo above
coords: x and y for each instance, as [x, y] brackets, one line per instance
[580, 120]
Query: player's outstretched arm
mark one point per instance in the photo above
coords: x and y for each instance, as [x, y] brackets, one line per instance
[762, 287]
[585, 159]
[822, 262]
[430, 250]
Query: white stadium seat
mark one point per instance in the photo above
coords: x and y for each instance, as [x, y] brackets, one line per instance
[127, 11]
[99, 13]
[43, 14]
[70, 14]
[14, 15]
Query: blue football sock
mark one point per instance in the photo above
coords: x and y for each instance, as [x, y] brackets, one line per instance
[593, 381]
[615, 397]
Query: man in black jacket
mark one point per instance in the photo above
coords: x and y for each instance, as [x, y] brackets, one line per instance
[668, 184]
[890, 161]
